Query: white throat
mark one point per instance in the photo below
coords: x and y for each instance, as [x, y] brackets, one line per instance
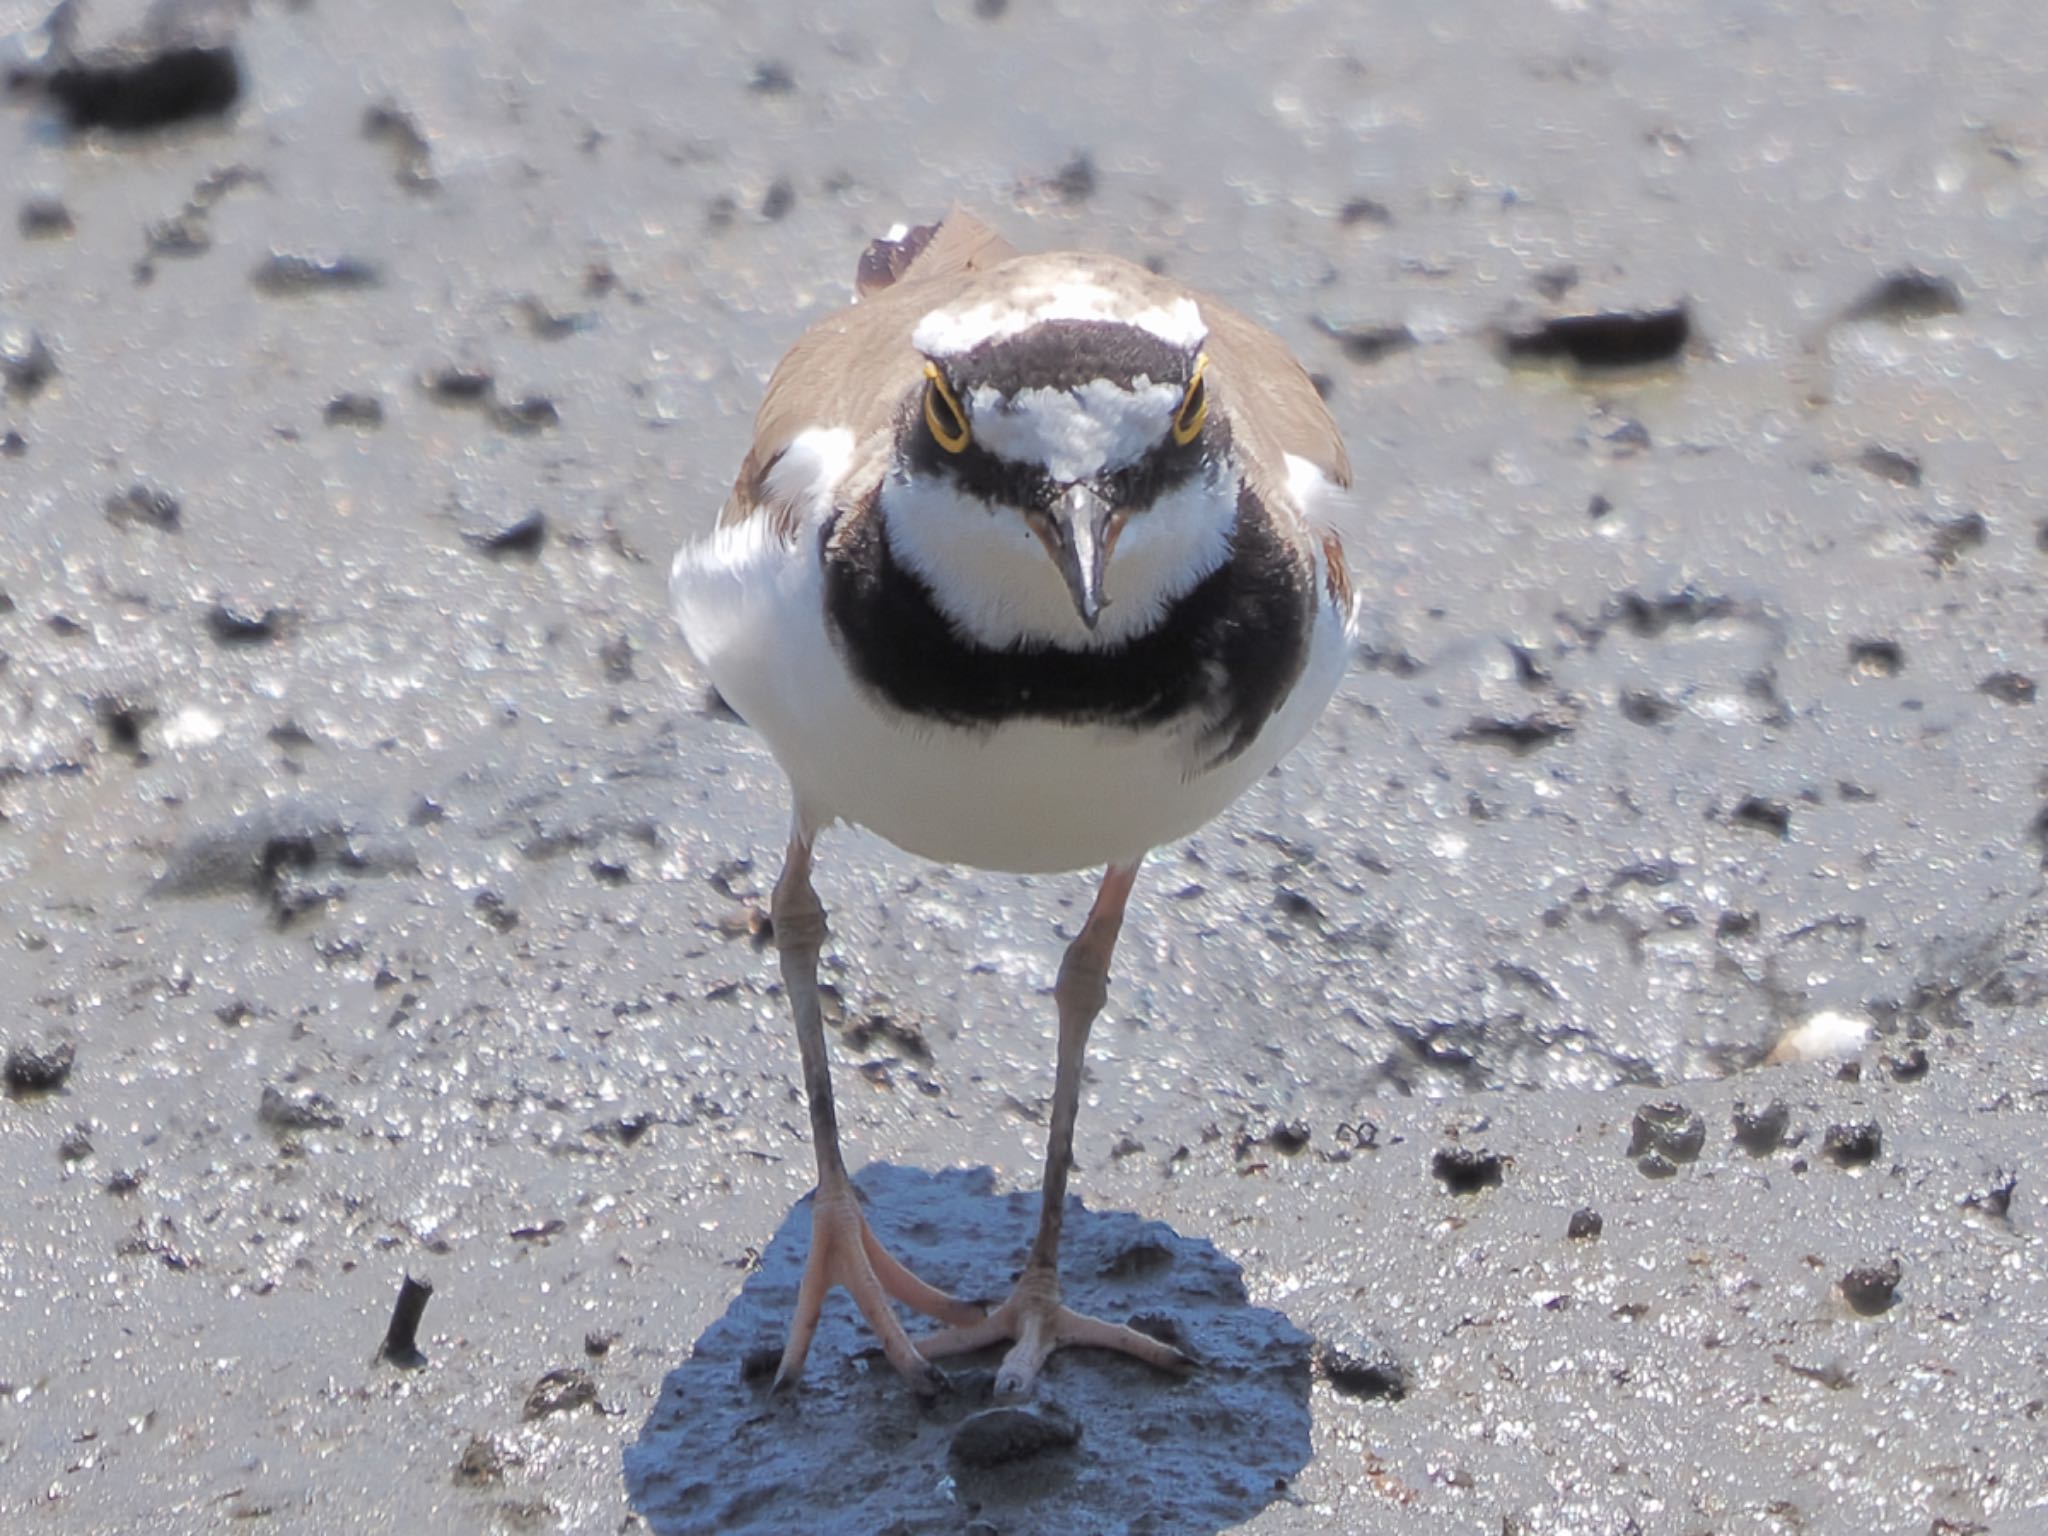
[989, 574]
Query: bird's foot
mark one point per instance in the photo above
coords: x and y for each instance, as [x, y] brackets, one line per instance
[844, 1251]
[1035, 1319]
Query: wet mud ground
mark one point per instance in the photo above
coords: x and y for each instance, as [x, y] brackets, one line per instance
[380, 899]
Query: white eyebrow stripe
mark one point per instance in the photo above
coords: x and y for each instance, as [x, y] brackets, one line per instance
[953, 331]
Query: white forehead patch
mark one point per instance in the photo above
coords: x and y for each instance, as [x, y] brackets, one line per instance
[959, 329]
[1074, 433]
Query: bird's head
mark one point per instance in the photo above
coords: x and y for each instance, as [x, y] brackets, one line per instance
[1059, 475]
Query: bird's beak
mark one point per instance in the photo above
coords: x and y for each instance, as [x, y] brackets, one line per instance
[1077, 531]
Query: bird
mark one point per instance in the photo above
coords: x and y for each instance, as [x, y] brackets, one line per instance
[1030, 567]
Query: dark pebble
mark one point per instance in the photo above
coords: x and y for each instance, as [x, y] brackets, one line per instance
[529, 413]
[459, 385]
[286, 276]
[1877, 658]
[778, 200]
[1899, 468]
[1957, 536]
[1761, 815]
[1604, 341]
[1369, 1371]
[146, 506]
[561, 1391]
[1760, 1132]
[1907, 1068]
[1668, 1128]
[44, 218]
[26, 363]
[1853, 1144]
[1289, 1137]
[12, 444]
[1907, 295]
[135, 92]
[1872, 1288]
[997, 1436]
[1585, 1223]
[303, 1109]
[352, 410]
[2008, 687]
[771, 77]
[1519, 736]
[124, 1181]
[1368, 343]
[1467, 1170]
[39, 1068]
[242, 626]
[1075, 181]
[524, 537]
[482, 1464]
[610, 873]
[1641, 707]
[1997, 1200]
[1364, 210]
[598, 1343]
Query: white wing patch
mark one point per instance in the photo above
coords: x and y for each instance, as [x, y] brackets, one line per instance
[961, 328]
[1074, 433]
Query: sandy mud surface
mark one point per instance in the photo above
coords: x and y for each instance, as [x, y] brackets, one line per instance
[377, 897]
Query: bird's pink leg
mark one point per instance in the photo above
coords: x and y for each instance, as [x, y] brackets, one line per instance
[843, 1250]
[1033, 1315]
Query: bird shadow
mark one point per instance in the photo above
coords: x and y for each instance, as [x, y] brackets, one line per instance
[853, 1450]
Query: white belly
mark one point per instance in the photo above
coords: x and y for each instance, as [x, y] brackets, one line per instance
[1033, 795]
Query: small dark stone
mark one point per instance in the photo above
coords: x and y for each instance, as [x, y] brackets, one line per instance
[561, 1390]
[303, 1109]
[1075, 181]
[597, 1343]
[1555, 282]
[1957, 536]
[778, 200]
[1899, 468]
[610, 873]
[1628, 439]
[997, 1436]
[482, 1464]
[1997, 1200]
[1669, 1128]
[772, 78]
[1907, 1068]
[1736, 925]
[1641, 707]
[353, 410]
[286, 276]
[240, 626]
[12, 444]
[1598, 506]
[1907, 295]
[135, 92]
[1650, 617]
[1872, 1288]
[1467, 1170]
[124, 721]
[1289, 1137]
[1761, 1132]
[1853, 1144]
[39, 1068]
[1370, 1373]
[124, 1181]
[76, 1146]
[45, 218]
[1604, 341]
[529, 413]
[1368, 343]
[1364, 210]
[523, 537]
[626, 1129]
[1761, 815]
[1521, 736]
[146, 506]
[26, 363]
[1877, 658]
[1585, 1223]
[2008, 687]
[494, 909]
[460, 385]
[387, 124]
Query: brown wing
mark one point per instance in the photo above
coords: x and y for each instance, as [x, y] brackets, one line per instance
[854, 368]
[1256, 379]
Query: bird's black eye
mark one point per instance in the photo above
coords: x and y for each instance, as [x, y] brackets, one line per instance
[1194, 406]
[942, 413]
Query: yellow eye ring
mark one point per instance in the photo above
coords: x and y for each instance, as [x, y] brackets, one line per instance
[942, 413]
[1194, 406]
